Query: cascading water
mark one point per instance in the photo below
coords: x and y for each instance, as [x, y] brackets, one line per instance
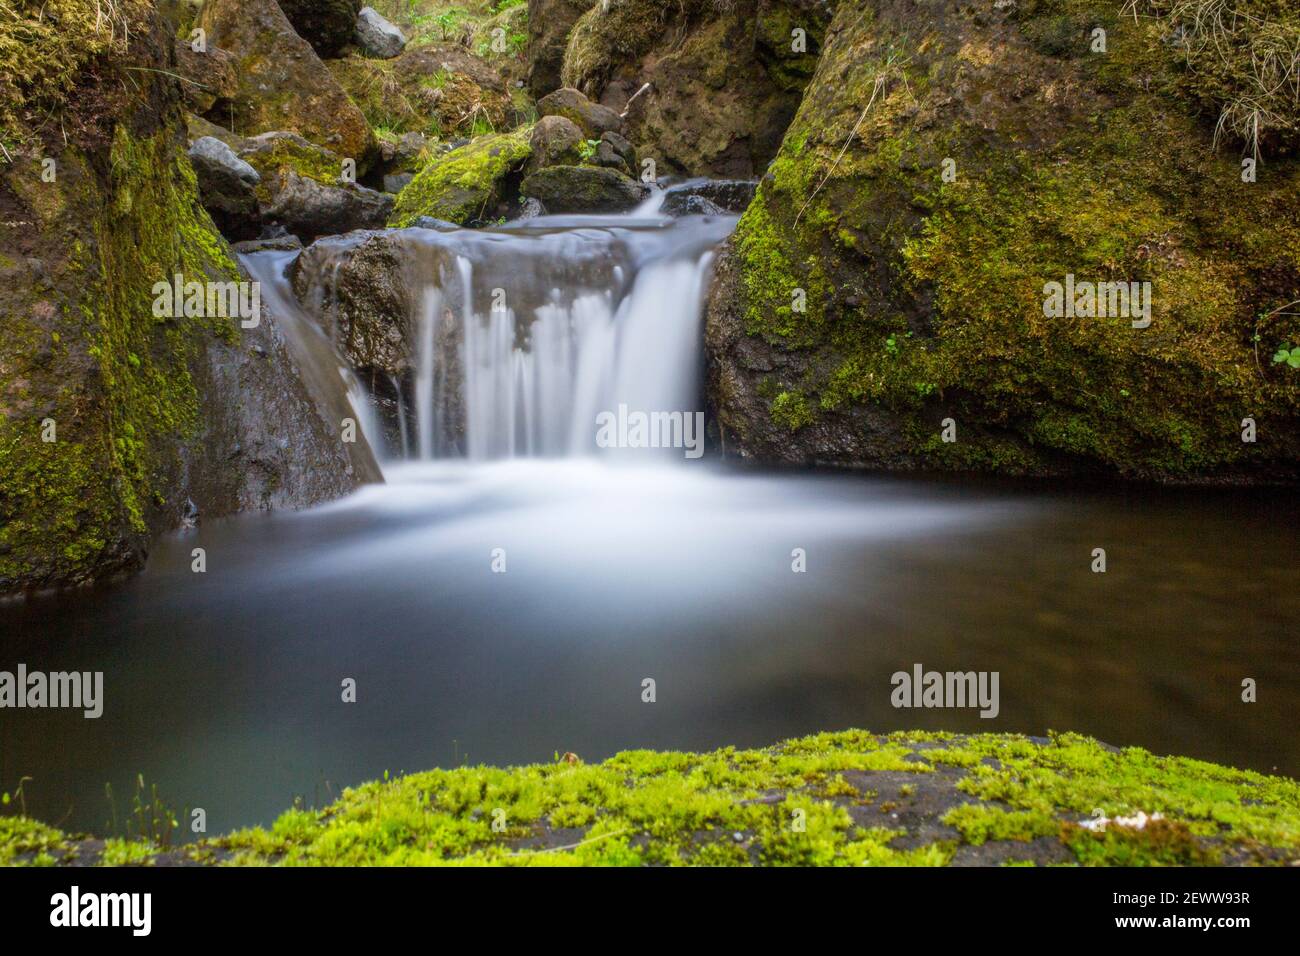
[514, 340]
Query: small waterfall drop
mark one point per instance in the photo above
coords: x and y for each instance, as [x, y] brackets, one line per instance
[515, 339]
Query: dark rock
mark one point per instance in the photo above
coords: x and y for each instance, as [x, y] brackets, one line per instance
[309, 208]
[328, 25]
[226, 185]
[285, 243]
[282, 83]
[396, 182]
[712, 197]
[608, 158]
[623, 147]
[582, 189]
[592, 118]
[428, 222]
[549, 23]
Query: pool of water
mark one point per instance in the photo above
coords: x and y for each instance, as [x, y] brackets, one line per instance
[225, 688]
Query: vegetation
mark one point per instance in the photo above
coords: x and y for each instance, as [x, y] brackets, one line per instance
[847, 798]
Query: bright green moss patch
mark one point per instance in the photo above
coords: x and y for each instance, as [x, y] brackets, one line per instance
[463, 184]
[818, 800]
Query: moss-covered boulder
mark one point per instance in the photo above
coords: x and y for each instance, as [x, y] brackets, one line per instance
[887, 300]
[440, 91]
[582, 189]
[723, 85]
[328, 25]
[901, 799]
[282, 84]
[592, 118]
[115, 412]
[475, 182]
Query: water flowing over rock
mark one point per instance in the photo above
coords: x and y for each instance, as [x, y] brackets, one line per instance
[510, 341]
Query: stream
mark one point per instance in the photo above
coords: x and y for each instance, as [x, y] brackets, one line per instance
[504, 595]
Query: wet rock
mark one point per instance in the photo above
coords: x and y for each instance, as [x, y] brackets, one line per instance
[428, 222]
[282, 84]
[622, 147]
[328, 25]
[712, 197]
[531, 209]
[607, 157]
[377, 37]
[592, 118]
[723, 80]
[582, 189]
[285, 243]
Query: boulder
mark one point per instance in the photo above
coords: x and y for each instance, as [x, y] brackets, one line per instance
[282, 84]
[206, 78]
[471, 183]
[226, 185]
[555, 141]
[309, 208]
[376, 36]
[582, 189]
[592, 118]
[897, 281]
[549, 23]
[328, 25]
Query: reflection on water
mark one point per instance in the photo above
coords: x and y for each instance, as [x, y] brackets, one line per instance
[224, 687]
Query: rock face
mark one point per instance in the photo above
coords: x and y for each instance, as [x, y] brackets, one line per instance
[549, 23]
[469, 184]
[282, 84]
[592, 118]
[114, 411]
[328, 25]
[886, 300]
[376, 36]
[582, 189]
[710, 197]
[724, 76]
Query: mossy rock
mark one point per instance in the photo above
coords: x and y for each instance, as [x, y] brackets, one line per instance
[942, 170]
[468, 184]
[112, 416]
[902, 799]
[282, 84]
[440, 91]
[723, 78]
[582, 189]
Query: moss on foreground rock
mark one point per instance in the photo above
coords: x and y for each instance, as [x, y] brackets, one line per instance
[846, 798]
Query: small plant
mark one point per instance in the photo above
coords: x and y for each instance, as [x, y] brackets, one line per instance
[1287, 354]
[587, 149]
[150, 821]
[7, 798]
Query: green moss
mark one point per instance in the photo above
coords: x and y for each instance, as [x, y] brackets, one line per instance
[797, 803]
[292, 153]
[81, 505]
[23, 840]
[458, 186]
[1098, 167]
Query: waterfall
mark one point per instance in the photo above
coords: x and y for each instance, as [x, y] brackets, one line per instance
[516, 339]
